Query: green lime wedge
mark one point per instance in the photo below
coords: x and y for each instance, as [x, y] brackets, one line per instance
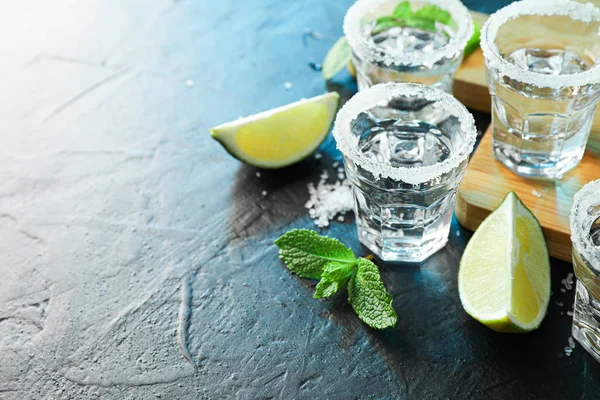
[281, 136]
[504, 275]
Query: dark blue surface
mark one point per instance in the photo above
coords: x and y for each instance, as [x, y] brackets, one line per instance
[119, 214]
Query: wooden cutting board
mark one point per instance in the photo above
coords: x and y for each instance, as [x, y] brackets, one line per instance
[487, 181]
[470, 85]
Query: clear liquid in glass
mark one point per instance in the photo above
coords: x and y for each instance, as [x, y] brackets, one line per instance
[399, 221]
[409, 40]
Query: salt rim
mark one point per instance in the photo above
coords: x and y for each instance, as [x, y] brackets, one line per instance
[586, 197]
[353, 32]
[577, 11]
[377, 94]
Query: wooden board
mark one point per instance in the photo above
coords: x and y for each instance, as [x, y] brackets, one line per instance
[487, 181]
[470, 84]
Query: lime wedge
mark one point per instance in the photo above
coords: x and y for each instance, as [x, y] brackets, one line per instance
[504, 275]
[281, 136]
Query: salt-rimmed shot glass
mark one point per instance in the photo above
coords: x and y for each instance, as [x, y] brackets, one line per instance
[406, 54]
[585, 235]
[405, 149]
[543, 70]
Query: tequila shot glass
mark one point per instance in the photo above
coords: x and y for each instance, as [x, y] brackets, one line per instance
[543, 70]
[405, 148]
[585, 235]
[428, 56]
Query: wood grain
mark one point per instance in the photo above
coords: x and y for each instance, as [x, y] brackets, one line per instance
[470, 84]
[487, 181]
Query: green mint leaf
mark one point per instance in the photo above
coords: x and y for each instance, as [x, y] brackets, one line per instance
[337, 58]
[335, 275]
[385, 23]
[421, 23]
[368, 296]
[306, 253]
[326, 288]
[434, 13]
[402, 9]
[473, 43]
[339, 272]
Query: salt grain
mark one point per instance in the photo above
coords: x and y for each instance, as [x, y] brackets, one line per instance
[318, 156]
[287, 85]
[258, 174]
[189, 83]
[570, 313]
[559, 303]
[328, 200]
[568, 351]
[263, 193]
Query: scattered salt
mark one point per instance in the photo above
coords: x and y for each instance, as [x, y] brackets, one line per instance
[335, 164]
[536, 194]
[318, 156]
[340, 176]
[570, 313]
[258, 174]
[568, 351]
[571, 342]
[263, 193]
[287, 85]
[559, 303]
[563, 290]
[457, 233]
[340, 218]
[328, 200]
[340, 169]
[568, 281]
[189, 83]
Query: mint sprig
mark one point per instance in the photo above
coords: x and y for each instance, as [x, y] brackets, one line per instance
[310, 255]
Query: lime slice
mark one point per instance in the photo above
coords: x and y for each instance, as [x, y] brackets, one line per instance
[281, 136]
[504, 275]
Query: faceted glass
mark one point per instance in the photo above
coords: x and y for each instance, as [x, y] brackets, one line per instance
[585, 235]
[543, 72]
[405, 149]
[406, 54]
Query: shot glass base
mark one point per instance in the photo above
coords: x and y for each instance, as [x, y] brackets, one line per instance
[586, 328]
[512, 160]
[399, 251]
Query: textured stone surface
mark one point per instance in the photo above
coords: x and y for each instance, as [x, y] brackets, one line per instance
[136, 258]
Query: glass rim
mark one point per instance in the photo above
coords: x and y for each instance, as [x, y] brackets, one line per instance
[582, 243]
[374, 96]
[456, 45]
[578, 11]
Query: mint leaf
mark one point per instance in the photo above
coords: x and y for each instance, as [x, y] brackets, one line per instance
[326, 288]
[368, 296]
[421, 23]
[473, 43]
[402, 9]
[337, 58]
[434, 14]
[424, 18]
[306, 253]
[335, 275]
[385, 23]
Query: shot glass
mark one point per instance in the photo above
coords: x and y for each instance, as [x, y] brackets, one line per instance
[585, 235]
[406, 54]
[405, 149]
[543, 70]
